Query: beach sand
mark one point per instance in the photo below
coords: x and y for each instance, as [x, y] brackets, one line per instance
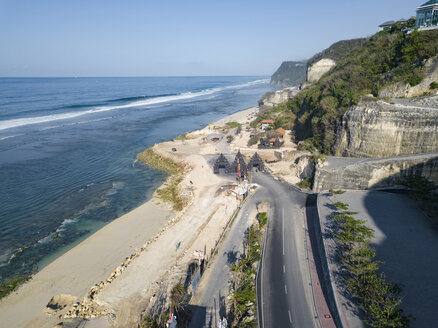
[154, 266]
[88, 263]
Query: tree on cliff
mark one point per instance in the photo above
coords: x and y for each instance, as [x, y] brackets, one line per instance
[387, 57]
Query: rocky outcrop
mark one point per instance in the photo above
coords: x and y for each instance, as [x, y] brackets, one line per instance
[324, 61]
[375, 128]
[271, 99]
[376, 173]
[290, 73]
[400, 89]
[318, 69]
[60, 302]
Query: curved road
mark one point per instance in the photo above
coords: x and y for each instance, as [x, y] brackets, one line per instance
[283, 284]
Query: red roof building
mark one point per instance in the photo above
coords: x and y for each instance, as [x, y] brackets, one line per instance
[267, 122]
[281, 131]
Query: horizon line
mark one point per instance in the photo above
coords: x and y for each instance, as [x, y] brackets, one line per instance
[124, 76]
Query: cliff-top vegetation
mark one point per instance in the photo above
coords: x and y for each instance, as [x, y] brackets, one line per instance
[289, 73]
[385, 58]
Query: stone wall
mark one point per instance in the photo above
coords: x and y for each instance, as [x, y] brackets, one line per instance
[380, 129]
[376, 173]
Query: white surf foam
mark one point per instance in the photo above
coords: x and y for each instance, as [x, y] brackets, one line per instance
[8, 124]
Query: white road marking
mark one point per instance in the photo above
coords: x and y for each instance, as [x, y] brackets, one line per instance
[285, 289]
[283, 231]
[284, 269]
[290, 318]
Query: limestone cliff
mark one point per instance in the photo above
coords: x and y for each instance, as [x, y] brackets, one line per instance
[374, 173]
[398, 90]
[271, 99]
[375, 128]
[318, 69]
[324, 61]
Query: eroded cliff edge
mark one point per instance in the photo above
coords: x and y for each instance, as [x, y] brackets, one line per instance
[366, 174]
[376, 128]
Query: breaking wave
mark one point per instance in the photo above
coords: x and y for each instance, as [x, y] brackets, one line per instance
[135, 102]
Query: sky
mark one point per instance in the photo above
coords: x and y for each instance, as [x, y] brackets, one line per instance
[42, 38]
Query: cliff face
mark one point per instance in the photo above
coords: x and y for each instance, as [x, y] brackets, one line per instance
[290, 73]
[376, 173]
[380, 129]
[398, 90]
[324, 61]
[318, 69]
[274, 98]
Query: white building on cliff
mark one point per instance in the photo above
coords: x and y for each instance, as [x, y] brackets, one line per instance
[427, 15]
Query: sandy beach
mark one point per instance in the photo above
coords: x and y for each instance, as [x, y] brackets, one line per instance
[127, 262]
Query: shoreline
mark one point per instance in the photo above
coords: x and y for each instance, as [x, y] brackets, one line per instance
[94, 259]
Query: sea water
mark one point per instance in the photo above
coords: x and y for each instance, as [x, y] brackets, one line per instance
[68, 151]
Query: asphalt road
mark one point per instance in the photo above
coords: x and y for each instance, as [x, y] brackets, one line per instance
[214, 286]
[283, 285]
[284, 291]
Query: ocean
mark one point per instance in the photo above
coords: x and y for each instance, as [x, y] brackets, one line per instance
[68, 151]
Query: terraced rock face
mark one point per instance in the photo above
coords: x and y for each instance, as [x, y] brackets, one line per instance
[381, 129]
[375, 173]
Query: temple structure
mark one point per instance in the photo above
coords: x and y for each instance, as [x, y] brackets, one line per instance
[222, 163]
[256, 162]
[427, 15]
[239, 165]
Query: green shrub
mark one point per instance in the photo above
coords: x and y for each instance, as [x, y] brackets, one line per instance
[415, 80]
[262, 218]
[254, 139]
[340, 206]
[305, 183]
[169, 192]
[308, 144]
[380, 301]
[385, 58]
[233, 124]
[12, 284]
[244, 295]
[434, 85]
[337, 192]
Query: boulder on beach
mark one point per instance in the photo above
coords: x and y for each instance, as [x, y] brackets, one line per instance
[59, 302]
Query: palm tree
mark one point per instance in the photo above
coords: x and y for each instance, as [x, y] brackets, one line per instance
[176, 296]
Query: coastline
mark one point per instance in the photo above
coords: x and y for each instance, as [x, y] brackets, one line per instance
[146, 232]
